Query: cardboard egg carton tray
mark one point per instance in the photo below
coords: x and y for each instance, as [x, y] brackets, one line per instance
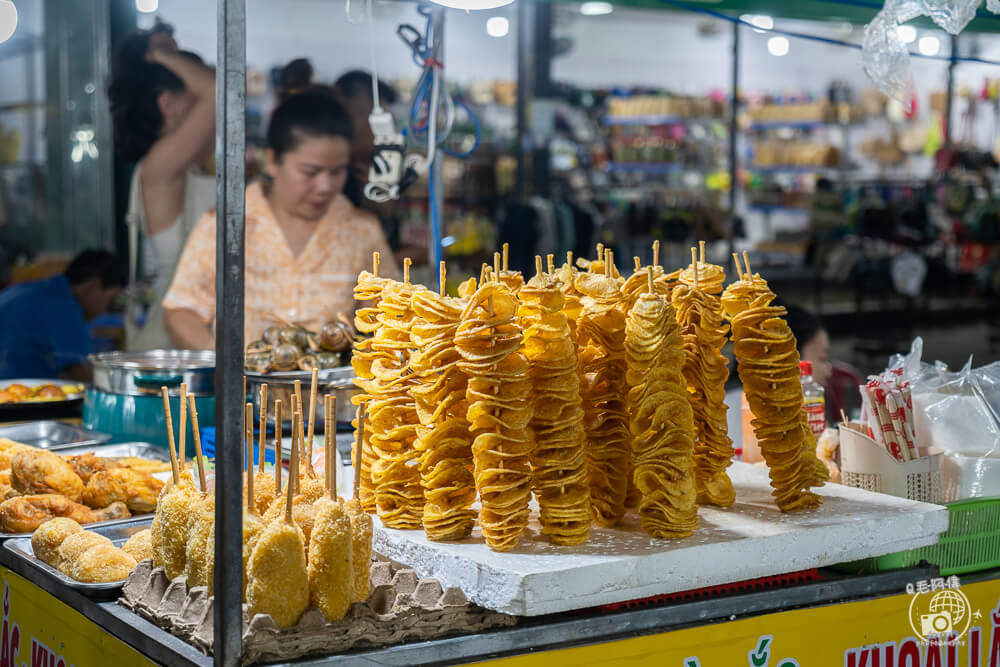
[402, 607]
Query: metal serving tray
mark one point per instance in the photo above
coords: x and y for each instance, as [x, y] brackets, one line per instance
[119, 450]
[52, 435]
[115, 451]
[118, 534]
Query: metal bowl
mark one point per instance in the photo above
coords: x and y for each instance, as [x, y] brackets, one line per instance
[336, 381]
[143, 373]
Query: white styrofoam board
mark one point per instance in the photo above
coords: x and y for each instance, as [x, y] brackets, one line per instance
[749, 540]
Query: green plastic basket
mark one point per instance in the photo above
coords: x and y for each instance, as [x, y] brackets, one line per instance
[971, 543]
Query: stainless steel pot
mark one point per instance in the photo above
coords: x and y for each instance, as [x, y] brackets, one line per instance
[143, 373]
[336, 381]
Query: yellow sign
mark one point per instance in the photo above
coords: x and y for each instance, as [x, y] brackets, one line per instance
[870, 633]
[40, 631]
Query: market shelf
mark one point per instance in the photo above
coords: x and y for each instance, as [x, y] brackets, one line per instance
[647, 167]
[778, 208]
[791, 169]
[657, 119]
[789, 124]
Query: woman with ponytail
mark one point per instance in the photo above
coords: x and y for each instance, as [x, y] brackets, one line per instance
[163, 110]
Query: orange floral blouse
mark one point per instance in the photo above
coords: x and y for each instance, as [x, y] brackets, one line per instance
[309, 289]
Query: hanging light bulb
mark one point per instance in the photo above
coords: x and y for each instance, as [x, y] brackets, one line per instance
[8, 20]
[469, 5]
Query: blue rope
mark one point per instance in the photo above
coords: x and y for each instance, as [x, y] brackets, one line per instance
[814, 38]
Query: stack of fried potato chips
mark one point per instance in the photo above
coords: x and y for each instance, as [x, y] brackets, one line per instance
[701, 318]
[399, 497]
[601, 349]
[768, 361]
[367, 290]
[489, 340]
[558, 463]
[660, 417]
[444, 440]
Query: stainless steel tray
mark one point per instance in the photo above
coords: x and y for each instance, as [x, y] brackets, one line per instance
[52, 435]
[115, 451]
[118, 534]
[118, 450]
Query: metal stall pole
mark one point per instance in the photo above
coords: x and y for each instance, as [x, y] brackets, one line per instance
[525, 91]
[733, 132]
[230, 151]
[437, 51]
[952, 61]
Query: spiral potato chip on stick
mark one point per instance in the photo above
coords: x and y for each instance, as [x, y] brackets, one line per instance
[660, 417]
[489, 340]
[700, 316]
[601, 349]
[399, 498]
[558, 463]
[443, 440]
[368, 290]
[768, 361]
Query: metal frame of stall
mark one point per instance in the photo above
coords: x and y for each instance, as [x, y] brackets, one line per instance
[534, 55]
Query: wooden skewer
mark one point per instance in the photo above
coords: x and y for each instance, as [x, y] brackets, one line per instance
[739, 268]
[551, 262]
[656, 252]
[357, 453]
[249, 446]
[182, 439]
[312, 421]
[637, 262]
[843, 416]
[701, 251]
[607, 263]
[263, 426]
[538, 266]
[694, 266]
[296, 396]
[746, 260]
[302, 453]
[196, 433]
[496, 265]
[278, 436]
[442, 271]
[506, 256]
[569, 258]
[375, 262]
[293, 480]
[649, 279]
[331, 449]
[600, 251]
[293, 472]
[406, 269]
[170, 435]
[482, 274]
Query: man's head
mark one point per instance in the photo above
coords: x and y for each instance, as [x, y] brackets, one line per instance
[355, 91]
[95, 278]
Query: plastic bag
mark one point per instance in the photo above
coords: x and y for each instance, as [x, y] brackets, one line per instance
[958, 413]
[886, 59]
[993, 6]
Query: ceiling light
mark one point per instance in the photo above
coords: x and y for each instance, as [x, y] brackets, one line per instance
[596, 8]
[469, 5]
[761, 22]
[147, 6]
[497, 26]
[8, 19]
[906, 33]
[929, 45]
[778, 46]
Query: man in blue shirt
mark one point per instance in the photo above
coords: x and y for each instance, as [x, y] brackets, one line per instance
[43, 325]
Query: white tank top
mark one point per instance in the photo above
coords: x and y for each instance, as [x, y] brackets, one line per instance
[161, 251]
